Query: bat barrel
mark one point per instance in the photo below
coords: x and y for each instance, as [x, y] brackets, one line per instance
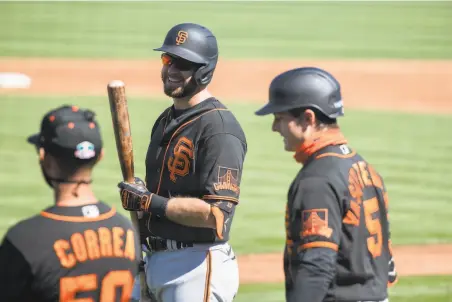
[123, 137]
[121, 125]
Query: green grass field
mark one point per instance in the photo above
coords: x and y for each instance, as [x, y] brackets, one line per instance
[408, 289]
[408, 150]
[412, 152]
[244, 29]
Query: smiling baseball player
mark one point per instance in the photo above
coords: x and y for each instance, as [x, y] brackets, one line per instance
[193, 170]
[338, 244]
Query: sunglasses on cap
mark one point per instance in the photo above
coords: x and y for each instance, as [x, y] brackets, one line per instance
[178, 62]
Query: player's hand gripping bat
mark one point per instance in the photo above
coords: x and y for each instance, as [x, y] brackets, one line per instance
[123, 137]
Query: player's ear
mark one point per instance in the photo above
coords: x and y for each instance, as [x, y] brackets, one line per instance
[41, 153]
[309, 117]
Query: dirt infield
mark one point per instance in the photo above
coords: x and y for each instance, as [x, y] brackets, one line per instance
[411, 86]
[410, 261]
[415, 86]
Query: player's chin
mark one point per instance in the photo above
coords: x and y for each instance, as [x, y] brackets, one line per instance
[288, 146]
[177, 93]
[172, 91]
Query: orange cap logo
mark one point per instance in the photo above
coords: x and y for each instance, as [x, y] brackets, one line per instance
[181, 37]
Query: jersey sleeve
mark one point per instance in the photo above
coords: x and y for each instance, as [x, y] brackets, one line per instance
[221, 161]
[319, 213]
[319, 218]
[15, 273]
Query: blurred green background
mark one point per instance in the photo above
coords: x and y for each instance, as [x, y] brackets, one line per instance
[276, 29]
[411, 151]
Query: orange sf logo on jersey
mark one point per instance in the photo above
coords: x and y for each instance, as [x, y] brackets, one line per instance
[179, 163]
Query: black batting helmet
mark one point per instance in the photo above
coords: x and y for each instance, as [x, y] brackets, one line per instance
[194, 43]
[306, 87]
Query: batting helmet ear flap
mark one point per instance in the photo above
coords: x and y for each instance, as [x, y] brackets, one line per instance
[204, 74]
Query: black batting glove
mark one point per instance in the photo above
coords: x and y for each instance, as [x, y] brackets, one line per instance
[134, 196]
[392, 273]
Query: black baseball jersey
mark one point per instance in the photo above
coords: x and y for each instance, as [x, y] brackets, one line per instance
[68, 253]
[198, 152]
[338, 239]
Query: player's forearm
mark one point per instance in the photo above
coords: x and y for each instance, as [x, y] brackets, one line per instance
[315, 274]
[192, 212]
[187, 211]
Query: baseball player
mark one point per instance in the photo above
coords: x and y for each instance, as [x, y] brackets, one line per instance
[337, 230]
[193, 170]
[79, 249]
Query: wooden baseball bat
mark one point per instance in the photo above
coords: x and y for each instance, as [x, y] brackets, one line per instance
[123, 137]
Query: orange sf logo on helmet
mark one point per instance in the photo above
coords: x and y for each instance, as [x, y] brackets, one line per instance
[181, 37]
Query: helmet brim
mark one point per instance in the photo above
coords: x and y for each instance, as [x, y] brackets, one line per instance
[271, 107]
[34, 139]
[183, 53]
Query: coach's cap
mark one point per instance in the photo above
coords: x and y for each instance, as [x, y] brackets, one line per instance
[306, 87]
[69, 130]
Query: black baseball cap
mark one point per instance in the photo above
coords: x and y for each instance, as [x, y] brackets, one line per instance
[69, 131]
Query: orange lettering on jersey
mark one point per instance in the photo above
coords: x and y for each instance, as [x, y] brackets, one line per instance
[354, 185]
[106, 248]
[179, 163]
[61, 247]
[71, 286]
[79, 247]
[129, 250]
[118, 242]
[362, 175]
[353, 215]
[365, 174]
[373, 224]
[376, 179]
[92, 244]
[315, 223]
[358, 174]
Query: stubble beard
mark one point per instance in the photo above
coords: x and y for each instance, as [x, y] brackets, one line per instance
[173, 90]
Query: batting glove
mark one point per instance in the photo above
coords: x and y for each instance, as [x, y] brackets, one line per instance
[134, 196]
[392, 273]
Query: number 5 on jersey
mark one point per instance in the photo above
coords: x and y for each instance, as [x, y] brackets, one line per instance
[375, 241]
[71, 286]
[362, 175]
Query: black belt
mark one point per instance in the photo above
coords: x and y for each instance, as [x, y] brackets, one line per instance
[155, 244]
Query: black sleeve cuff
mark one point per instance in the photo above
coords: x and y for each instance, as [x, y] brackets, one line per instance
[316, 272]
[158, 205]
